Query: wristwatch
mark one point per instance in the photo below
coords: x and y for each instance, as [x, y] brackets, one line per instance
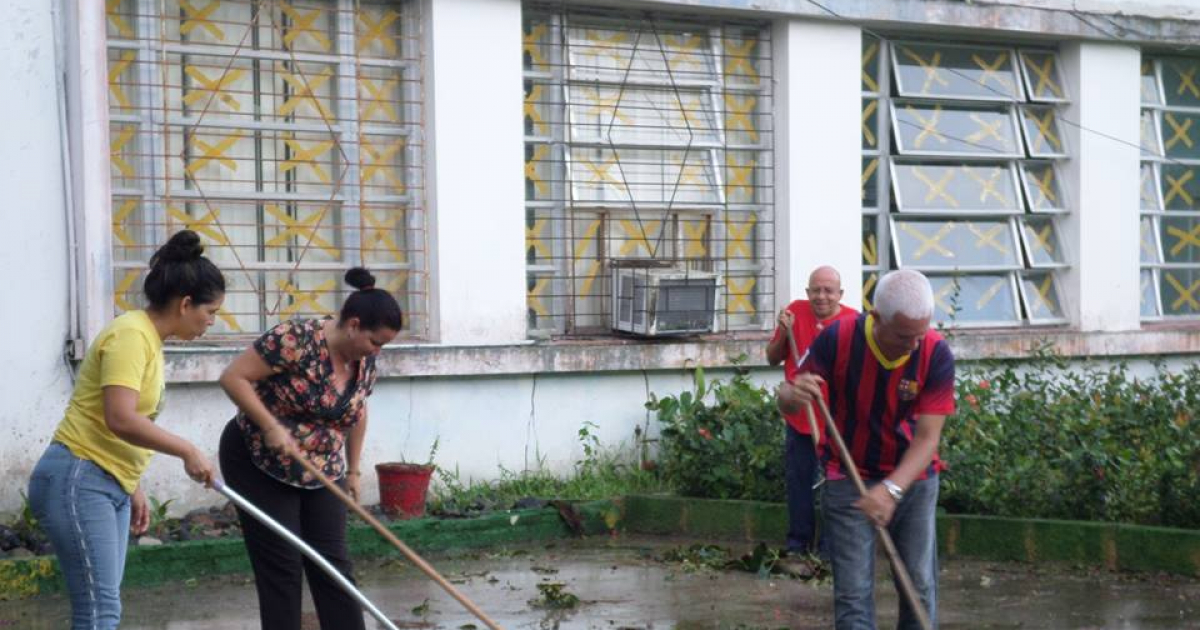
[894, 489]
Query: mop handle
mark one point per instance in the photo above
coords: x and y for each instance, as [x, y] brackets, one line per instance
[812, 420]
[420, 562]
[898, 569]
[308, 551]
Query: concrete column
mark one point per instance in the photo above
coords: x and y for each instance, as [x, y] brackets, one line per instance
[475, 171]
[818, 154]
[1101, 233]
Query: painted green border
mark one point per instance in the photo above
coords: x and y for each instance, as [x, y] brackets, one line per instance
[1109, 545]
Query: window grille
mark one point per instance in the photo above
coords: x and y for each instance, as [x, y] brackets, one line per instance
[287, 134]
[1170, 192]
[962, 149]
[647, 138]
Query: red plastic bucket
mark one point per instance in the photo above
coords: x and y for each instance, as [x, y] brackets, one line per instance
[402, 488]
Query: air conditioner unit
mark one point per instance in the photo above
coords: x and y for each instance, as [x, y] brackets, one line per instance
[658, 302]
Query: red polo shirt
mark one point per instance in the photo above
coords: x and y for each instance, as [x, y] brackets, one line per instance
[806, 328]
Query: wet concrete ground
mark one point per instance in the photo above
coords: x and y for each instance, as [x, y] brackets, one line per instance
[624, 585]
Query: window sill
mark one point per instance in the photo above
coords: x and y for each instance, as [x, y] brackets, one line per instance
[620, 354]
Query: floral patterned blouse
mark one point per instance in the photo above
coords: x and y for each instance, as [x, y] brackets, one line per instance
[302, 397]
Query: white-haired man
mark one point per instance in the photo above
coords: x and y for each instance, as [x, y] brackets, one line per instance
[806, 319]
[891, 385]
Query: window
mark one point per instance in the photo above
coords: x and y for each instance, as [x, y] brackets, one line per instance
[961, 176]
[287, 134]
[1170, 192]
[647, 138]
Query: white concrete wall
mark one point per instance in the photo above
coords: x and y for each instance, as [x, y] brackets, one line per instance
[33, 259]
[818, 155]
[481, 424]
[475, 174]
[1102, 179]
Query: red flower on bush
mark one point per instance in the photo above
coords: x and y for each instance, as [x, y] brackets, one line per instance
[985, 384]
[704, 433]
[973, 401]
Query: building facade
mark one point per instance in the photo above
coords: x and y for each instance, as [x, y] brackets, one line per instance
[501, 164]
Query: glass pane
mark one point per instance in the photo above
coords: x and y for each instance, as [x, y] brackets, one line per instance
[1043, 135]
[870, 243]
[540, 165]
[1149, 295]
[747, 58]
[536, 43]
[626, 176]
[539, 109]
[646, 236]
[617, 53]
[1180, 291]
[961, 188]
[1148, 242]
[589, 278]
[1180, 186]
[1041, 296]
[947, 71]
[1150, 140]
[973, 299]
[1180, 238]
[929, 244]
[936, 129]
[870, 63]
[1150, 94]
[1179, 83]
[870, 123]
[870, 182]
[870, 279]
[1150, 200]
[1179, 132]
[1043, 242]
[1042, 187]
[659, 116]
[1043, 80]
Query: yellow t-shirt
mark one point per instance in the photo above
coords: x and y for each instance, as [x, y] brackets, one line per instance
[128, 353]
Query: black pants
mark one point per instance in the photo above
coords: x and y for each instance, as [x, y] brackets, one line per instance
[317, 516]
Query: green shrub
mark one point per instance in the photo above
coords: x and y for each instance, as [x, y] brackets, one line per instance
[1039, 439]
[724, 440]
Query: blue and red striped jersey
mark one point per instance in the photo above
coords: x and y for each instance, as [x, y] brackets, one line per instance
[876, 406]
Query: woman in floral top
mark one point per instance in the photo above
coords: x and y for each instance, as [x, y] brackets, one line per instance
[301, 391]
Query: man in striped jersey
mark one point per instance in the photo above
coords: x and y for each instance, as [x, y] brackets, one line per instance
[891, 385]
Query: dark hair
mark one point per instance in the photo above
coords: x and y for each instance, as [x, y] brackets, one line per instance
[374, 308]
[179, 269]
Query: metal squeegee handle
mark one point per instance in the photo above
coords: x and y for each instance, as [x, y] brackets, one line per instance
[308, 551]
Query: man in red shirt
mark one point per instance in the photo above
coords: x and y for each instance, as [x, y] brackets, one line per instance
[806, 318]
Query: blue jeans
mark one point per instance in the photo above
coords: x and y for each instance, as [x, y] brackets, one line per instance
[852, 551]
[800, 473]
[85, 513]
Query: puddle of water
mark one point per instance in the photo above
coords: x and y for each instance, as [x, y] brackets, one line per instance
[623, 585]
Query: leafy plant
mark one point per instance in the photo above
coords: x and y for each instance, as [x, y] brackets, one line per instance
[428, 460]
[603, 473]
[1051, 439]
[722, 440]
[161, 523]
[555, 596]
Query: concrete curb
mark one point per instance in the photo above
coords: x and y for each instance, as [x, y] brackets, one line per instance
[146, 566]
[1113, 546]
[1110, 545]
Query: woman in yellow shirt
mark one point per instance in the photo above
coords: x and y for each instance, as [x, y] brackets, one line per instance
[84, 491]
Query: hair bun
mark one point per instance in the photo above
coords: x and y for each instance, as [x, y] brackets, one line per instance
[360, 279]
[184, 246]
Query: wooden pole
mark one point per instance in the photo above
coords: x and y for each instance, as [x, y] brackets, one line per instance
[399, 544]
[901, 572]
